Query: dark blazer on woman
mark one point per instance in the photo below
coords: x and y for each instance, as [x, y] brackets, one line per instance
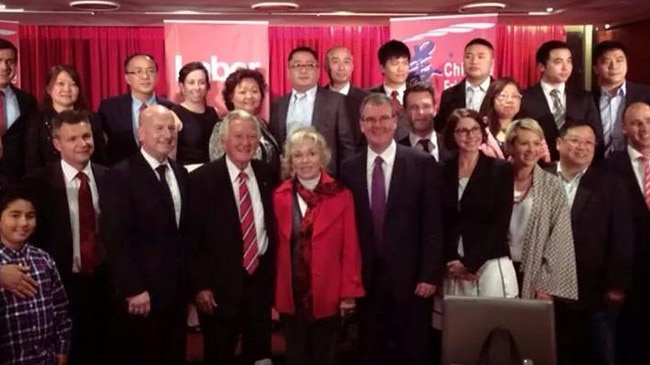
[194, 137]
[482, 217]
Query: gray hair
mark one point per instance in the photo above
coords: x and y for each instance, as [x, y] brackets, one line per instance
[377, 99]
[237, 114]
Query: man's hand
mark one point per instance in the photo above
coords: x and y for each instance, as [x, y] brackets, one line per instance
[614, 296]
[61, 359]
[425, 290]
[347, 306]
[540, 294]
[140, 305]
[16, 279]
[205, 301]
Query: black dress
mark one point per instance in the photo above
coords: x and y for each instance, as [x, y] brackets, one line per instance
[194, 138]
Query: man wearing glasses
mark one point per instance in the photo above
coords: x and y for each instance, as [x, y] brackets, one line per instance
[307, 105]
[119, 115]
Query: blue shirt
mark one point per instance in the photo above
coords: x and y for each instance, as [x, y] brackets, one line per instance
[135, 112]
[611, 114]
[300, 111]
[11, 107]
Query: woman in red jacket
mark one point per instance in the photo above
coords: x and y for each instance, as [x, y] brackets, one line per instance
[318, 259]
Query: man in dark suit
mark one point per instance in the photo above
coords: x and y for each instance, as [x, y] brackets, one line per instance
[400, 235]
[420, 109]
[16, 107]
[232, 252]
[119, 115]
[339, 65]
[631, 165]
[603, 237]
[66, 194]
[614, 92]
[308, 105]
[552, 102]
[143, 224]
[469, 93]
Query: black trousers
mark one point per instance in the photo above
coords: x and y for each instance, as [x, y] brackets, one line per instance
[157, 339]
[313, 343]
[89, 300]
[221, 333]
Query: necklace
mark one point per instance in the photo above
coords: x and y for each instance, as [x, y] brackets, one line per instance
[523, 196]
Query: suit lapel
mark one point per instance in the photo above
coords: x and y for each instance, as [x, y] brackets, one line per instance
[459, 94]
[396, 179]
[61, 200]
[149, 177]
[477, 180]
[227, 196]
[282, 118]
[540, 100]
[585, 189]
[321, 105]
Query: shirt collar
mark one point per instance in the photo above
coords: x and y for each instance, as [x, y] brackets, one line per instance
[634, 154]
[6, 253]
[414, 139]
[344, 90]
[151, 160]
[400, 90]
[70, 173]
[137, 102]
[576, 177]
[234, 171]
[388, 155]
[621, 91]
[8, 90]
[483, 85]
[311, 93]
[548, 87]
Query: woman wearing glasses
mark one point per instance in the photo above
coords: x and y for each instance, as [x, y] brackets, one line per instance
[477, 201]
[501, 104]
[540, 235]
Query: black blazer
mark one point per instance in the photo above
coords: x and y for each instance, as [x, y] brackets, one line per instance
[146, 249]
[482, 217]
[450, 100]
[619, 163]
[216, 242]
[603, 235]
[13, 141]
[634, 92]
[443, 153]
[115, 118]
[579, 107]
[330, 118]
[53, 230]
[353, 104]
[412, 229]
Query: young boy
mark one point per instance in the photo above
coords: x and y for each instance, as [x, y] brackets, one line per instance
[33, 330]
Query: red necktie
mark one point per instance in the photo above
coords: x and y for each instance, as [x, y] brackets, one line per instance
[646, 179]
[247, 219]
[88, 245]
[2, 112]
[397, 106]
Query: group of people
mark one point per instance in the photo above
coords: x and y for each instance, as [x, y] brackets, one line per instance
[346, 202]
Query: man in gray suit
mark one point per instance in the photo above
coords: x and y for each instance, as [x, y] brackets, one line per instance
[307, 105]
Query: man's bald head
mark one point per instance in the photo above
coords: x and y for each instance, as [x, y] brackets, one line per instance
[158, 131]
[636, 126]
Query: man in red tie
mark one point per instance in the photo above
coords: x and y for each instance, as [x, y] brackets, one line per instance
[232, 244]
[67, 197]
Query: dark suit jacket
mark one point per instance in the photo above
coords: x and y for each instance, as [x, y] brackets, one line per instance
[619, 163]
[403, 127]
[146, 249]
[13, 141]
[450, 99]
[115, 118]
[53, 231]
[483, 216]
[443, 153]
[330, 118]
[603, 235]
[353, 104]
[216, 240]
[634, 92]
[412, 227]
[579, 107]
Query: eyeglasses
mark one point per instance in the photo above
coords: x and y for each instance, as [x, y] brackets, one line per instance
[574, 141]
[303, 66]
[141, 72]
[503, 97]
[467, 132]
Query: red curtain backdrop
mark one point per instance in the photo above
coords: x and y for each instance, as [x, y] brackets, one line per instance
[97, 53]
[515, 49]
[363, 41]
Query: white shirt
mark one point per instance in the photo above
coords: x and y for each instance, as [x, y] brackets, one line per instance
[519, 223]
[570, 185]
[433, 143]
[170, 177]
[256, 201]
[301, 111]
[611, 113]
[547, 88]
[389, 162]
[11, 107]
[474, 102]
[637, 166]
[344, 90]
[72, 184]
[400, 92]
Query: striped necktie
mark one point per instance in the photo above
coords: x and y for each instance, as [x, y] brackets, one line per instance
[247, 220]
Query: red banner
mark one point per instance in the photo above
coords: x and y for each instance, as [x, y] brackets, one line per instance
[437, 44]
[9, 31]
[223, 47]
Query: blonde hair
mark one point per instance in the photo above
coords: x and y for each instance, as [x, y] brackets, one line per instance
[525, 124]
[298, 135]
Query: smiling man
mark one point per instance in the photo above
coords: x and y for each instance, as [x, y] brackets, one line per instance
[119, 116]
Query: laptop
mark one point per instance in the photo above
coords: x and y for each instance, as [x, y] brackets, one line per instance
[467, 321]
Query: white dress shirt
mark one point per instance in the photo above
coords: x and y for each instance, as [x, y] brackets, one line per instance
[637, 166]
[72, 184]
[256, 201]
[344, 90]
[389, 162]
[611, 112]
[547, 88]
[300, 112]
[433, 143]
[474, 101]
[11, 107]
[570, 185]
[400, 92]
[170, 177]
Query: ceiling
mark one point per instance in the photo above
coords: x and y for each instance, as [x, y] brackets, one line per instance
[153, 12]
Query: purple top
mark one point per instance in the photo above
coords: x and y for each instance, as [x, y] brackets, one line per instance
[34, 330]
